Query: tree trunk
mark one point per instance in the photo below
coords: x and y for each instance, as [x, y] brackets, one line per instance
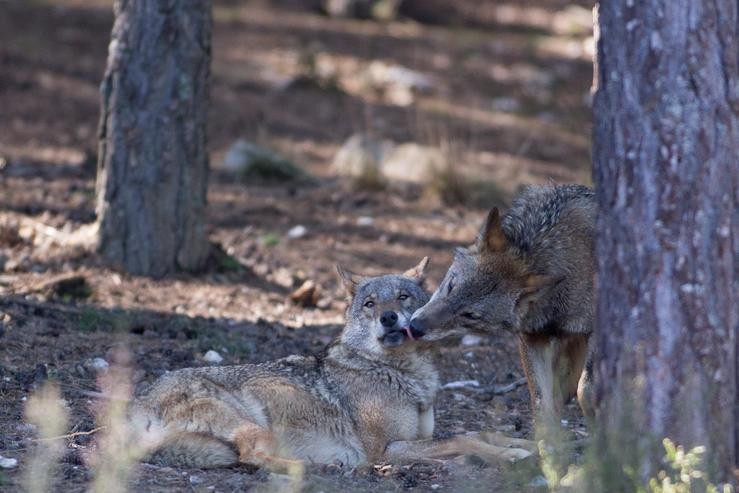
[666, 164]
[153, 161]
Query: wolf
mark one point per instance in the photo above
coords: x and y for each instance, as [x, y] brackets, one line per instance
[530, 272]
[368, 397]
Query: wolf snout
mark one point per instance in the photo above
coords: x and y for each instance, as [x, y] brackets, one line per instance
[388, 319]
[418, 327]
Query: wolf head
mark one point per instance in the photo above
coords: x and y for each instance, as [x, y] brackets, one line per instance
[380, 308]
[488, 286]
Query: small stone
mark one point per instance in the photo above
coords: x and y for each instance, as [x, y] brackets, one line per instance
[195, 480]
[435, 486]
[297, 232]
[99, 364]
[213, 357]
[365, 221]
[7, 463]
[539, 482]
[471, 340]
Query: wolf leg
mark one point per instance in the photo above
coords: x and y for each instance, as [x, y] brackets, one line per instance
[539, 353]
[570, 364]
[258, 446]
[411, 451]
[585, 390]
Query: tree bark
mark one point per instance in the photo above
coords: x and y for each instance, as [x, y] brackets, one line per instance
[153, 161]
[666, 165]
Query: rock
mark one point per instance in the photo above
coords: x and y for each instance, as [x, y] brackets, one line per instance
[471, 340]
[306, 295]
[414, 163]
[365, 221]
[195, 480]
[297, 232]
[98, 364]
[7, 463]
[539, 482]
[257, 164]
[360, 157]
[213, 357]
[3, 261]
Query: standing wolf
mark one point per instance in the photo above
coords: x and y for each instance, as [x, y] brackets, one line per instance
[369, 397]
[531, 272]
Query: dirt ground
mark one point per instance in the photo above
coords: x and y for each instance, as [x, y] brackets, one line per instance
[480, 57]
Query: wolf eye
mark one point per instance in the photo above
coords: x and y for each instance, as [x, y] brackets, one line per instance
[450, 286]
[470, 316]
[403, 297]
[369, 304]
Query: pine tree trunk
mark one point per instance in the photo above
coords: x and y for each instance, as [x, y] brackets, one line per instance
[153, 161]
[666, 167]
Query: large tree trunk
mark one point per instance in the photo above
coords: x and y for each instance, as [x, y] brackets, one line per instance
[153, 161]
[666, 164]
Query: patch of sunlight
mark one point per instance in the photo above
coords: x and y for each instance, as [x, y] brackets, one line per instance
[51, 154]
[505, 120]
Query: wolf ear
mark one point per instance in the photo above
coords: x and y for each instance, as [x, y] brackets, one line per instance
[418, 273]
[535, 286]
[349, 279]
[492, 239]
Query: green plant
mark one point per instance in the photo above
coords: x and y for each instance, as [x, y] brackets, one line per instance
[683, 472]
[270, 239]
[90, 320]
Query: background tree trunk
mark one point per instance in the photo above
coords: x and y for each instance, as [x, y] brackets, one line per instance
[153, 161]
[666, 159]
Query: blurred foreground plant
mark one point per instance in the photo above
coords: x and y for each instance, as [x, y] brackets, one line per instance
[45, 410]
[118, 447]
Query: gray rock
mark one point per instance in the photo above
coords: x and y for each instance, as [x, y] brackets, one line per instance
[8, 463]
[213, 357]
[361, 156]
[413, 163]
[98, 364]
[257, 164]
[297, 232]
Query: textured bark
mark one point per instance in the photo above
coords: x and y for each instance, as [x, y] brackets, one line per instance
[666, 164]
[153, 162]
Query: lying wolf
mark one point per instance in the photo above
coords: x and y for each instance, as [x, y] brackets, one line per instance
[368, 398]
[531, 272]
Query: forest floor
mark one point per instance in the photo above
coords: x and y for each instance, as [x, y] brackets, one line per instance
[510, 93]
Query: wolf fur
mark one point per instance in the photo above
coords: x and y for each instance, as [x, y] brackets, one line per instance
[530, 272]
[368, 397]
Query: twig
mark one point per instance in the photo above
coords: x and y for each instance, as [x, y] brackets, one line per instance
[499, 389]
[70, 435]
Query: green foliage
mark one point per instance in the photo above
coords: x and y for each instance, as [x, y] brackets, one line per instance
[270, 239]
[229, 264]
[682, 472]
[90, 320]
[268, 167]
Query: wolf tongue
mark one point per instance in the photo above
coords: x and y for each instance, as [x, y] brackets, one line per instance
[408, 333]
